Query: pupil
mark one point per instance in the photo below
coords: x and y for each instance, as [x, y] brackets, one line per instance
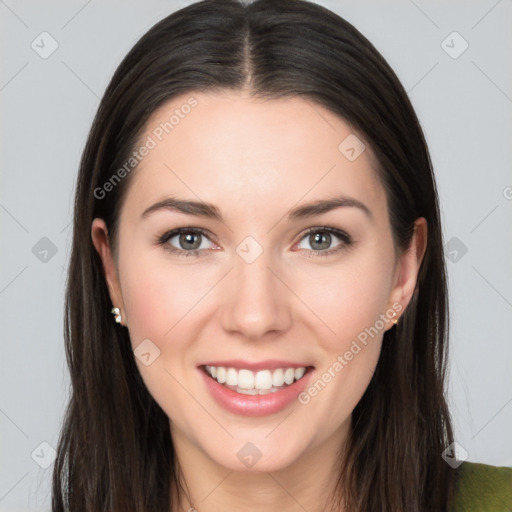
[187, 239]
[317, 237]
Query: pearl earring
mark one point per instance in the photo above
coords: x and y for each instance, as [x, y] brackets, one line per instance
[117, 313]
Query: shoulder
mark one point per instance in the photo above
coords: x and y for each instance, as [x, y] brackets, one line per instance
[483, 488]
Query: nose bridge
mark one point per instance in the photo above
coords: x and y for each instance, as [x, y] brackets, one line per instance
[258, 301]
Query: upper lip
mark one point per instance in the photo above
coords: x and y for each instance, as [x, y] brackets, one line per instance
[269, 364]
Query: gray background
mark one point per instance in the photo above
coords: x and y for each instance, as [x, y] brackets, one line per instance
[47, 105]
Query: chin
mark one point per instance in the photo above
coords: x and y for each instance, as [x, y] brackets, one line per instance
[256, 454]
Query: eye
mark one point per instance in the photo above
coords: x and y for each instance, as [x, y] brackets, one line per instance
[190, 239]
[188, 242]
[321, 238]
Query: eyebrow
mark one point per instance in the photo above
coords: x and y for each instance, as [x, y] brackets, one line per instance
[208, 210]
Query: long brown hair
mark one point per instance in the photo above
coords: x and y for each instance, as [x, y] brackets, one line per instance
[115, 452]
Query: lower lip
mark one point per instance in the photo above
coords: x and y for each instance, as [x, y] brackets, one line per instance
[255, 405]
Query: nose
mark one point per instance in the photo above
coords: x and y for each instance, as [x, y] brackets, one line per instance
[258, 303]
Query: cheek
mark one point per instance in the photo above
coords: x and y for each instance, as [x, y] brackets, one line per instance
[350, 298]
[156, 297]
[167, 303]
[350, 301]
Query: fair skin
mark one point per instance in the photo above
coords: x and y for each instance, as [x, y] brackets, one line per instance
[256, 160]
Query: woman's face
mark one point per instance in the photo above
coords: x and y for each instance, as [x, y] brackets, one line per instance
[260, 294]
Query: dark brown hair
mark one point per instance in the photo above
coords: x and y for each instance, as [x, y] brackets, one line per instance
[115, 452]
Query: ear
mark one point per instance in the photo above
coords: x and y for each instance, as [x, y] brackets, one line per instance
[407, 269]
[99, 234]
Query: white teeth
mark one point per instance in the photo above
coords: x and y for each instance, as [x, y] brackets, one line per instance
[299, 372]
[278, 377]
[254, 383]
[247, 391]
[231, 377]
[289, 375]
[221, 374]
[263, 380]
[245, 379]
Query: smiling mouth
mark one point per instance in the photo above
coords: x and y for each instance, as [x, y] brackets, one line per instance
[260, 382]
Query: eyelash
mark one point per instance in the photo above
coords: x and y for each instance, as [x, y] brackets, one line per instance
[344, 237]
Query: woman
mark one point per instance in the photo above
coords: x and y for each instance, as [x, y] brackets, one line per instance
[293, 356]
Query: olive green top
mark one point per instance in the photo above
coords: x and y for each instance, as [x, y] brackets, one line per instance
[483, 488]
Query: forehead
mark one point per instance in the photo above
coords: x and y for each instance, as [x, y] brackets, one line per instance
[230, 147]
